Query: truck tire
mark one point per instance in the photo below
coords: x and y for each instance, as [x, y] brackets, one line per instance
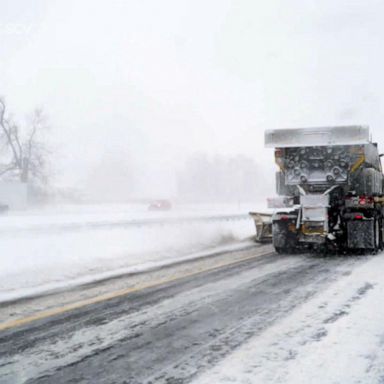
[285, 250]
[284, 241]
[380, 235]
[378, 240]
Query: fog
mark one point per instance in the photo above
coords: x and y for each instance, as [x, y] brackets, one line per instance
[136, 89]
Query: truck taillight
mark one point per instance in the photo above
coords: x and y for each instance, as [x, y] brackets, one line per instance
[359, 217]
[278, 153]
[364, 200]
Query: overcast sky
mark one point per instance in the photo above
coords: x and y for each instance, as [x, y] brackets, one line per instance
[155, 80]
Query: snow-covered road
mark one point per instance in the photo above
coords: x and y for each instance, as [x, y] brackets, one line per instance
[268, 319]
[337, 336]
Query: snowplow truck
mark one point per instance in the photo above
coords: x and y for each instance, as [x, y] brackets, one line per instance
[330, 190]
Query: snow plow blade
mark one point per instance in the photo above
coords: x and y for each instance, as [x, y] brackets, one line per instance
[263, 224]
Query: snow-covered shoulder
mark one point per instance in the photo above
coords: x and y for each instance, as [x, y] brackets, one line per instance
[335, 337]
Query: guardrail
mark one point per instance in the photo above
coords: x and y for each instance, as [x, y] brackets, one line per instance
[125, 223]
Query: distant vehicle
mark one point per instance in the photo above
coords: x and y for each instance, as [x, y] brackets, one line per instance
[160, 205]
[330, 186]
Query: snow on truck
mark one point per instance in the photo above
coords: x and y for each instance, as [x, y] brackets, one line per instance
[330, 190]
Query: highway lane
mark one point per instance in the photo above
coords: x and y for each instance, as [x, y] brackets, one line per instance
[168, 333]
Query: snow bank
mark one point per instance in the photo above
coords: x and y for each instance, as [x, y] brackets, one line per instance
[67, 215]
[34, 261]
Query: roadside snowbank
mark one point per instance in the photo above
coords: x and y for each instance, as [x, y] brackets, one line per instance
[67, 215]
[33, 262]
[336, 337]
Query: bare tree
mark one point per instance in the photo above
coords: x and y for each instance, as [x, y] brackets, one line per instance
[24, 155]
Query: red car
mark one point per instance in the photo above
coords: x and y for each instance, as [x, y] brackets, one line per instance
[160, 205]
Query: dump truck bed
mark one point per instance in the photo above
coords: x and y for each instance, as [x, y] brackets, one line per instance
[320, 136]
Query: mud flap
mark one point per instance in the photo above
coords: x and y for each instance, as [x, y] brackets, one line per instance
[361, 234]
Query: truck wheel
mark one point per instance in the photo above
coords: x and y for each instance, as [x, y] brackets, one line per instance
[284, 241]
[380, 234]
[377, 236]
[284, 250]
